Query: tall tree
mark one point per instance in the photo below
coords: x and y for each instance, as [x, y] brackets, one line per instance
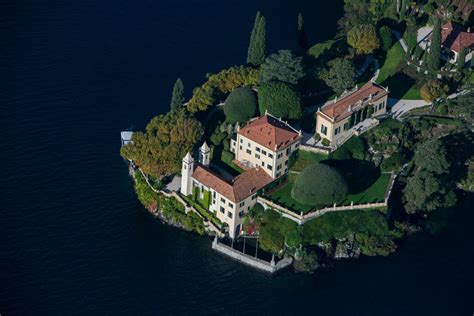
[177, 97]
[363, 38]
[462, 58]
[256, 51]
[435, 46]
[302, 37]
[283, 66]
[340, 76]
[403, 9]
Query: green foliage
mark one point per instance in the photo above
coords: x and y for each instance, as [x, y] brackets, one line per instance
[177, 97]
[280, 99]
[340, 76]
[357, 148]
[257, 47]
[431, 156]
[410, 36]
[174, 212]
[341, 153]
[363, 38]
[220, 84]
[166, 141]
[326, 142]
[240, 105]
[355, 13]
[375, 245]
[393, 163]
[217, 138]
[462, 58]
[302, 36]
[433, 89]
[386, 38]
[403, 9]
[319, 184]
[435, 46]
[307, 263]
[425, 192]
[147, 197]
[342, 224]
[388, 137]
[276, 230]
[283, 66]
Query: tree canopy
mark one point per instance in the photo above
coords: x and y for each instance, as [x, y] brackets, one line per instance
[431, 156]
[363, 38]
[435, 46]
[241, 104]
[340, 76]
[432, 90]
[283, 66]
[159, 150]
[257, 47]
[280, 99]
[319, 184]
[301, 33]
[177, 97]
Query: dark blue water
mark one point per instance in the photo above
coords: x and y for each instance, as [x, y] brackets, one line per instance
[74, 239]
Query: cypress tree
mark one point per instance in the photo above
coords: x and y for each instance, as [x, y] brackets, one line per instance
[403, 8]
[177, 97]
[435, 47]
[462, 58]
[256, 50]
[302, 37]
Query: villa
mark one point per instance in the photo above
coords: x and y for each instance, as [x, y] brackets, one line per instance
[263, 147]
[352, 107]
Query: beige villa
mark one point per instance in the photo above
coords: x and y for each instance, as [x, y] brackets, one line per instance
[352, 107]
[263, 148]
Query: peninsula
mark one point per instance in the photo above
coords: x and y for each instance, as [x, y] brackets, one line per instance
[324, 152]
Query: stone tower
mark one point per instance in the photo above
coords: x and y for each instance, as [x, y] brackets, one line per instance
[186, 174]
[204, 155]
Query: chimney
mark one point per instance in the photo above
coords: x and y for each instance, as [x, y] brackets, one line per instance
[469, 29]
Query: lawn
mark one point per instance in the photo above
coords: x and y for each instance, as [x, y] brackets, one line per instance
[401, 86]
[318, 49]
[306, 158]
[374, 193]
[283, 197]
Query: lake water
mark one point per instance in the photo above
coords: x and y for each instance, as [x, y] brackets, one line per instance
[74, 239]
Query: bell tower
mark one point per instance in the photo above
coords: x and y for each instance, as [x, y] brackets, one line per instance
[186, 174]
[204, 155]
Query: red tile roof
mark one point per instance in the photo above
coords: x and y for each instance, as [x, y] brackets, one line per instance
[339, 109]
[270, 132]
[241, 187]
[456, 37]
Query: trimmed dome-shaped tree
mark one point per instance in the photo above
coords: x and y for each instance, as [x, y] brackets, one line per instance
[240, 105]
[319, 184]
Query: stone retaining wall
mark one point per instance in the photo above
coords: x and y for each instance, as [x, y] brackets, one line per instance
[269, 267]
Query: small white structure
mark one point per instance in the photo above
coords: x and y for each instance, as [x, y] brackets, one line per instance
[126, 137]
[186, 174]
[204, 155]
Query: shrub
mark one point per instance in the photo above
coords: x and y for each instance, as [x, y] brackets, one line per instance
[325, 142]
[357, 147]
[432, 90]
[319, 184]
[217, 138]
[341, 153]
[317, 137]
[283, 66]
[363, 38]
[220, 84]
[392, 163]
[241, 104]
[375, 245]
[386, 38]
[280, 99]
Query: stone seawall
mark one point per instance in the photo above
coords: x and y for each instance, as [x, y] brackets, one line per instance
[262, 265]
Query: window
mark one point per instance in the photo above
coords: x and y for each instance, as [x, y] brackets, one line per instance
[241, 140]
[229, 214]
[297, 145]
[241, 214]
[257, 156]
[279, 167]
[263, 164]
[346, 126]
[288, 151]
[324, 129]
[248, 145]
[279, 155]
[278, 174]
[269, 167]
[257, 149]
[222, 210]
[270, 155]
[214, 194]
[222, 200]
[286, 163]
[337, 130]
[264, 152]
[213, 201]
[249, 151]
[230, 205]
[240, 147]
[242, 204]
[253, 197]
